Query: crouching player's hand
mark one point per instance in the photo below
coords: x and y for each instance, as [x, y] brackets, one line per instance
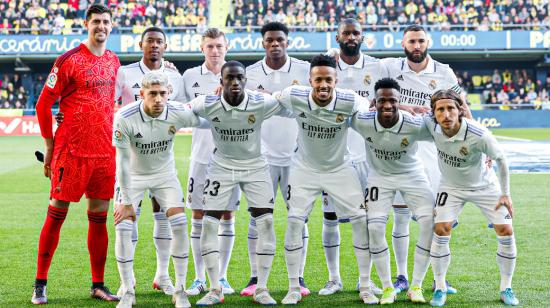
[123, 212]
[507, 202]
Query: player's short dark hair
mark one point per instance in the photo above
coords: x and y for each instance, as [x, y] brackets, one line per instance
[153, 29]
[232, 63]
[97, 9]
[414, 28]
[387, 83]
[322, 60]
[349, 21]
[447, 94]
[274, 26]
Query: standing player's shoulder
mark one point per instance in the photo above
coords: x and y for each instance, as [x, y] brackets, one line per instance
[475, 129]
[411, 119]
[442, 67]
[345, 94]
[365, 114]
[255, 66]
[295, 61]
[299, 90]
[370, 59]
[194, 71]
[128, 110]
[66, 56]
[393, 62]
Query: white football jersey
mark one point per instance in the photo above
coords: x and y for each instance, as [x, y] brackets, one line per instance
[278, 133]
[360, 77]
[417, 88]
[391, 150]
[322, 131]
[461, 158]
[237, 130]
[150, 139]
[200, 81]
[128, 82]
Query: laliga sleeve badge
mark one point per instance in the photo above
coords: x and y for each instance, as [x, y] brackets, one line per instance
[117, 135]
[52, 79]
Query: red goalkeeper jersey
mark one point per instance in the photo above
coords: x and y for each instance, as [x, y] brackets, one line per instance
[85, 85]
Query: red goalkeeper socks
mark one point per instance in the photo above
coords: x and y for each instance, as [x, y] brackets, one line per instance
[49, 238]
[98, 241]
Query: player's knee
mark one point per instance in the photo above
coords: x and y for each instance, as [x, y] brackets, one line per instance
[197, 214]
[174, 211]
[266, 231]
[377, 232]
[330, 216]
[215, 214]
[257, 212]
[504, 230]
[252, 230]
[293, 236]
[443, 228]
[155, 205]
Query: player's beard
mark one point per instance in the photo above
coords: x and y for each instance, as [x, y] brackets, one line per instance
[416, 59]
[350, 51]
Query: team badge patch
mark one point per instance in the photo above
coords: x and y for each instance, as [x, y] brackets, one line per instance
[172, 130]
[404, 143]
[117, 135]
[52, 79]
[367, 80]
[463, 151]
[295, 82]
[433, 84]
[251, 119]
[339, 118]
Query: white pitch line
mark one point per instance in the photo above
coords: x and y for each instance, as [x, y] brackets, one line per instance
[512, 138]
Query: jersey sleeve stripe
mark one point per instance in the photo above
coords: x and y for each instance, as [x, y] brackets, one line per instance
[131, 110]
[456, 88]
[59, 62]
[127, 115]
[211, 99]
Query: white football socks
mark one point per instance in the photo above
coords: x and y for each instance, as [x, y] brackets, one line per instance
[331, 245]
[226, 237]
[196, 230]
[440, 257]
[379, 249]
[400, 239]
[422, 249]
[179, 248]
[266, 247]
[162, 236]
[124, 252]
[305, 238]
[506, 259]
[252, 242]
[210, 249]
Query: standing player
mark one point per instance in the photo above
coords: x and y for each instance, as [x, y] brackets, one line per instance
[419, 76]
[323, 114]
[202, 80]
[128, 87]
[236, 117]
[82, 158]
[275, 72]
[144, 134]
[462, 145]
[359, 73]
[391, 137]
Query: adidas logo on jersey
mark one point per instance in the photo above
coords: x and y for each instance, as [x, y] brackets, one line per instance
[507, 216]
[136, 86]
[260, 87]
[302, 115]
[369, 139]
[138, 135]
[196, 85]
[216, 120]
[272, 201]
[400, 77]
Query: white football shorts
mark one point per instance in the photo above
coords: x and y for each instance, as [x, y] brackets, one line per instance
[195, 188]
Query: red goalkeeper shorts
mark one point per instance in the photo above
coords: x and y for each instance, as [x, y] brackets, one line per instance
[74, 176]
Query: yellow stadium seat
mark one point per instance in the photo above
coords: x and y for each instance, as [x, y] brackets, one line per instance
[487, 78]
[69, 23]
[130, 6]
[476, 80]
[475, 101]
[63, 6]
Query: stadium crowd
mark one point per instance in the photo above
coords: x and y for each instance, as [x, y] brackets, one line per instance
[65, 17]
[20, 91]
[393, 15]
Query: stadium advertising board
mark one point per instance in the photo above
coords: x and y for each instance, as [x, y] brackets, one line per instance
[513, 118]
[299, 42]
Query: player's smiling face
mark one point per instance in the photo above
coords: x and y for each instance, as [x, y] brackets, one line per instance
[323, 81]
[448, 115]
[387, 106]
[153, 45]
[99, 27]
[415, 45]
[214, 50]
[154, 99]
[350, 39]
[275, 44]
[233, 82]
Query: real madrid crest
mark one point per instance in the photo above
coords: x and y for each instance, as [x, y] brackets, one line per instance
[251, 119]
[295, 82]
[367, 79]
[339, 118]
[404, 143]
[172, 129]
[433, 84]
[463, 151]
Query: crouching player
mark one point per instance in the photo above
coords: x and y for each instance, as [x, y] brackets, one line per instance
[462, 145]
[144, 133]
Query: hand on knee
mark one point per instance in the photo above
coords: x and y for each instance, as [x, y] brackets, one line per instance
[174, 210]
[443, 228]
[504, 230]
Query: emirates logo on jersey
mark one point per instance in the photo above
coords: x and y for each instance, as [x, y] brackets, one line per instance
[251, 119]
[433, 84]
[339, 118]
[463, 151]
[404, 143]
[367, 80]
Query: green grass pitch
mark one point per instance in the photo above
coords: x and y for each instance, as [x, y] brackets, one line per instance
[23, 205]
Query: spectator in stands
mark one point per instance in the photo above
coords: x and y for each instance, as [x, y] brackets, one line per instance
[496, 79]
